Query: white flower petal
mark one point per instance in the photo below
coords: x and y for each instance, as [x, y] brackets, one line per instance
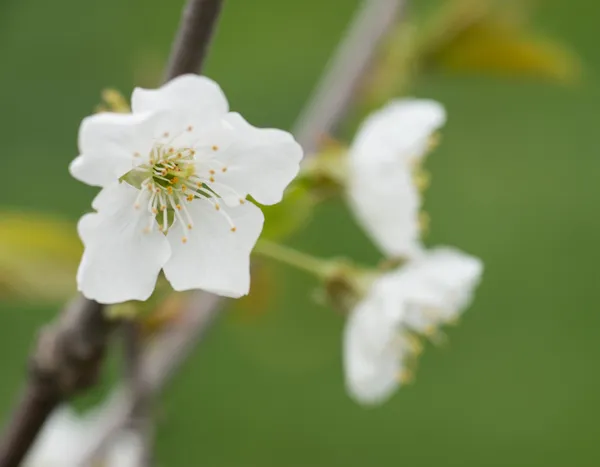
[426, 293]
[197, 93]
[438, 286]
[214, 258]
[120, 261]
[126, 451]
[373, 350]
[400, 131]
[260, 161]
[61, 442]
[112, 144]
[381, 189]
[386, 203]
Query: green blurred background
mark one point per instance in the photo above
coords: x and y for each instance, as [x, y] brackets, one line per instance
[515, 182]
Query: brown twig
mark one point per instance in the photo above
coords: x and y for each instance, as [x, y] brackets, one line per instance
[69, 353]
[159, 361]
[66, 361]
[194, 35]
[333, 95]
[140, 416]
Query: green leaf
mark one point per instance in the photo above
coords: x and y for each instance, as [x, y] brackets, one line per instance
[38, 257]
[497, 40]
[291, 214]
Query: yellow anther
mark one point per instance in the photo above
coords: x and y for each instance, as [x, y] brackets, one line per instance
[217, 207]
[406, 377]
[137, 154]
[171, 150]
[150, 188]
[434, 141]
[184, 240]
[190, 198]
[224, 169]
[211, 171]
[242, 200]
[190, 128]
[136, 206]
[183, 187]
[166, 134]
[170, 190]
[212, 179]
[215, 148]
[175, 180]
[189, 226]
[163, 207]
[199, 184]
[192, 152]
[178, 206]
[233, 229]
[154, 211]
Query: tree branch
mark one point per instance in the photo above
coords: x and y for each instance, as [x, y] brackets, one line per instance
[333, 95]
[70, 352]
[140, 416]
[159, 361]
[66, 360]
[195, 32]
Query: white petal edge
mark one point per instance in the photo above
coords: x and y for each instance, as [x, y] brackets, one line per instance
[399, 131]
[214, 258]
[373, 355]
[436, 287]
[125, 451]
[386, 204]
[112, 144]
[197, 93]
[381, 189]
[120, 262]
[61, 441]
[260, 161]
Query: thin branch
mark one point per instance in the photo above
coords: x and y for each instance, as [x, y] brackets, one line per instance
[66, 361]
[160, 360]
[196, 29]
[333, 95]
[70, 352]
[140, 417]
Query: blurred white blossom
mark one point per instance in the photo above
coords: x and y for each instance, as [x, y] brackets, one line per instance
[381, 335]
[67, 440]
[384, 156]
[175, 175]
[431, 287]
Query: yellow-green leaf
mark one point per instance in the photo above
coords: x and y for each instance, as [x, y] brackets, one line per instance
[498, 41]
[290, 215]
[38, 257]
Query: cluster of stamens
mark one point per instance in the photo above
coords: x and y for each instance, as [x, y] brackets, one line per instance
[409, 344]
[175, 177]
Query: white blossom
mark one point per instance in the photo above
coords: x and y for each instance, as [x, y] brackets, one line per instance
[381, 189]
[431, 287]
[67, 440]
[381, 335]
[175, 175]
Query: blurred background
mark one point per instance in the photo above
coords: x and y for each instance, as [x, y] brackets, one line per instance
[515, 181]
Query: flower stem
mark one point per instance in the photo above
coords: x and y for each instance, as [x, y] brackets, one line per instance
[321, 268]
